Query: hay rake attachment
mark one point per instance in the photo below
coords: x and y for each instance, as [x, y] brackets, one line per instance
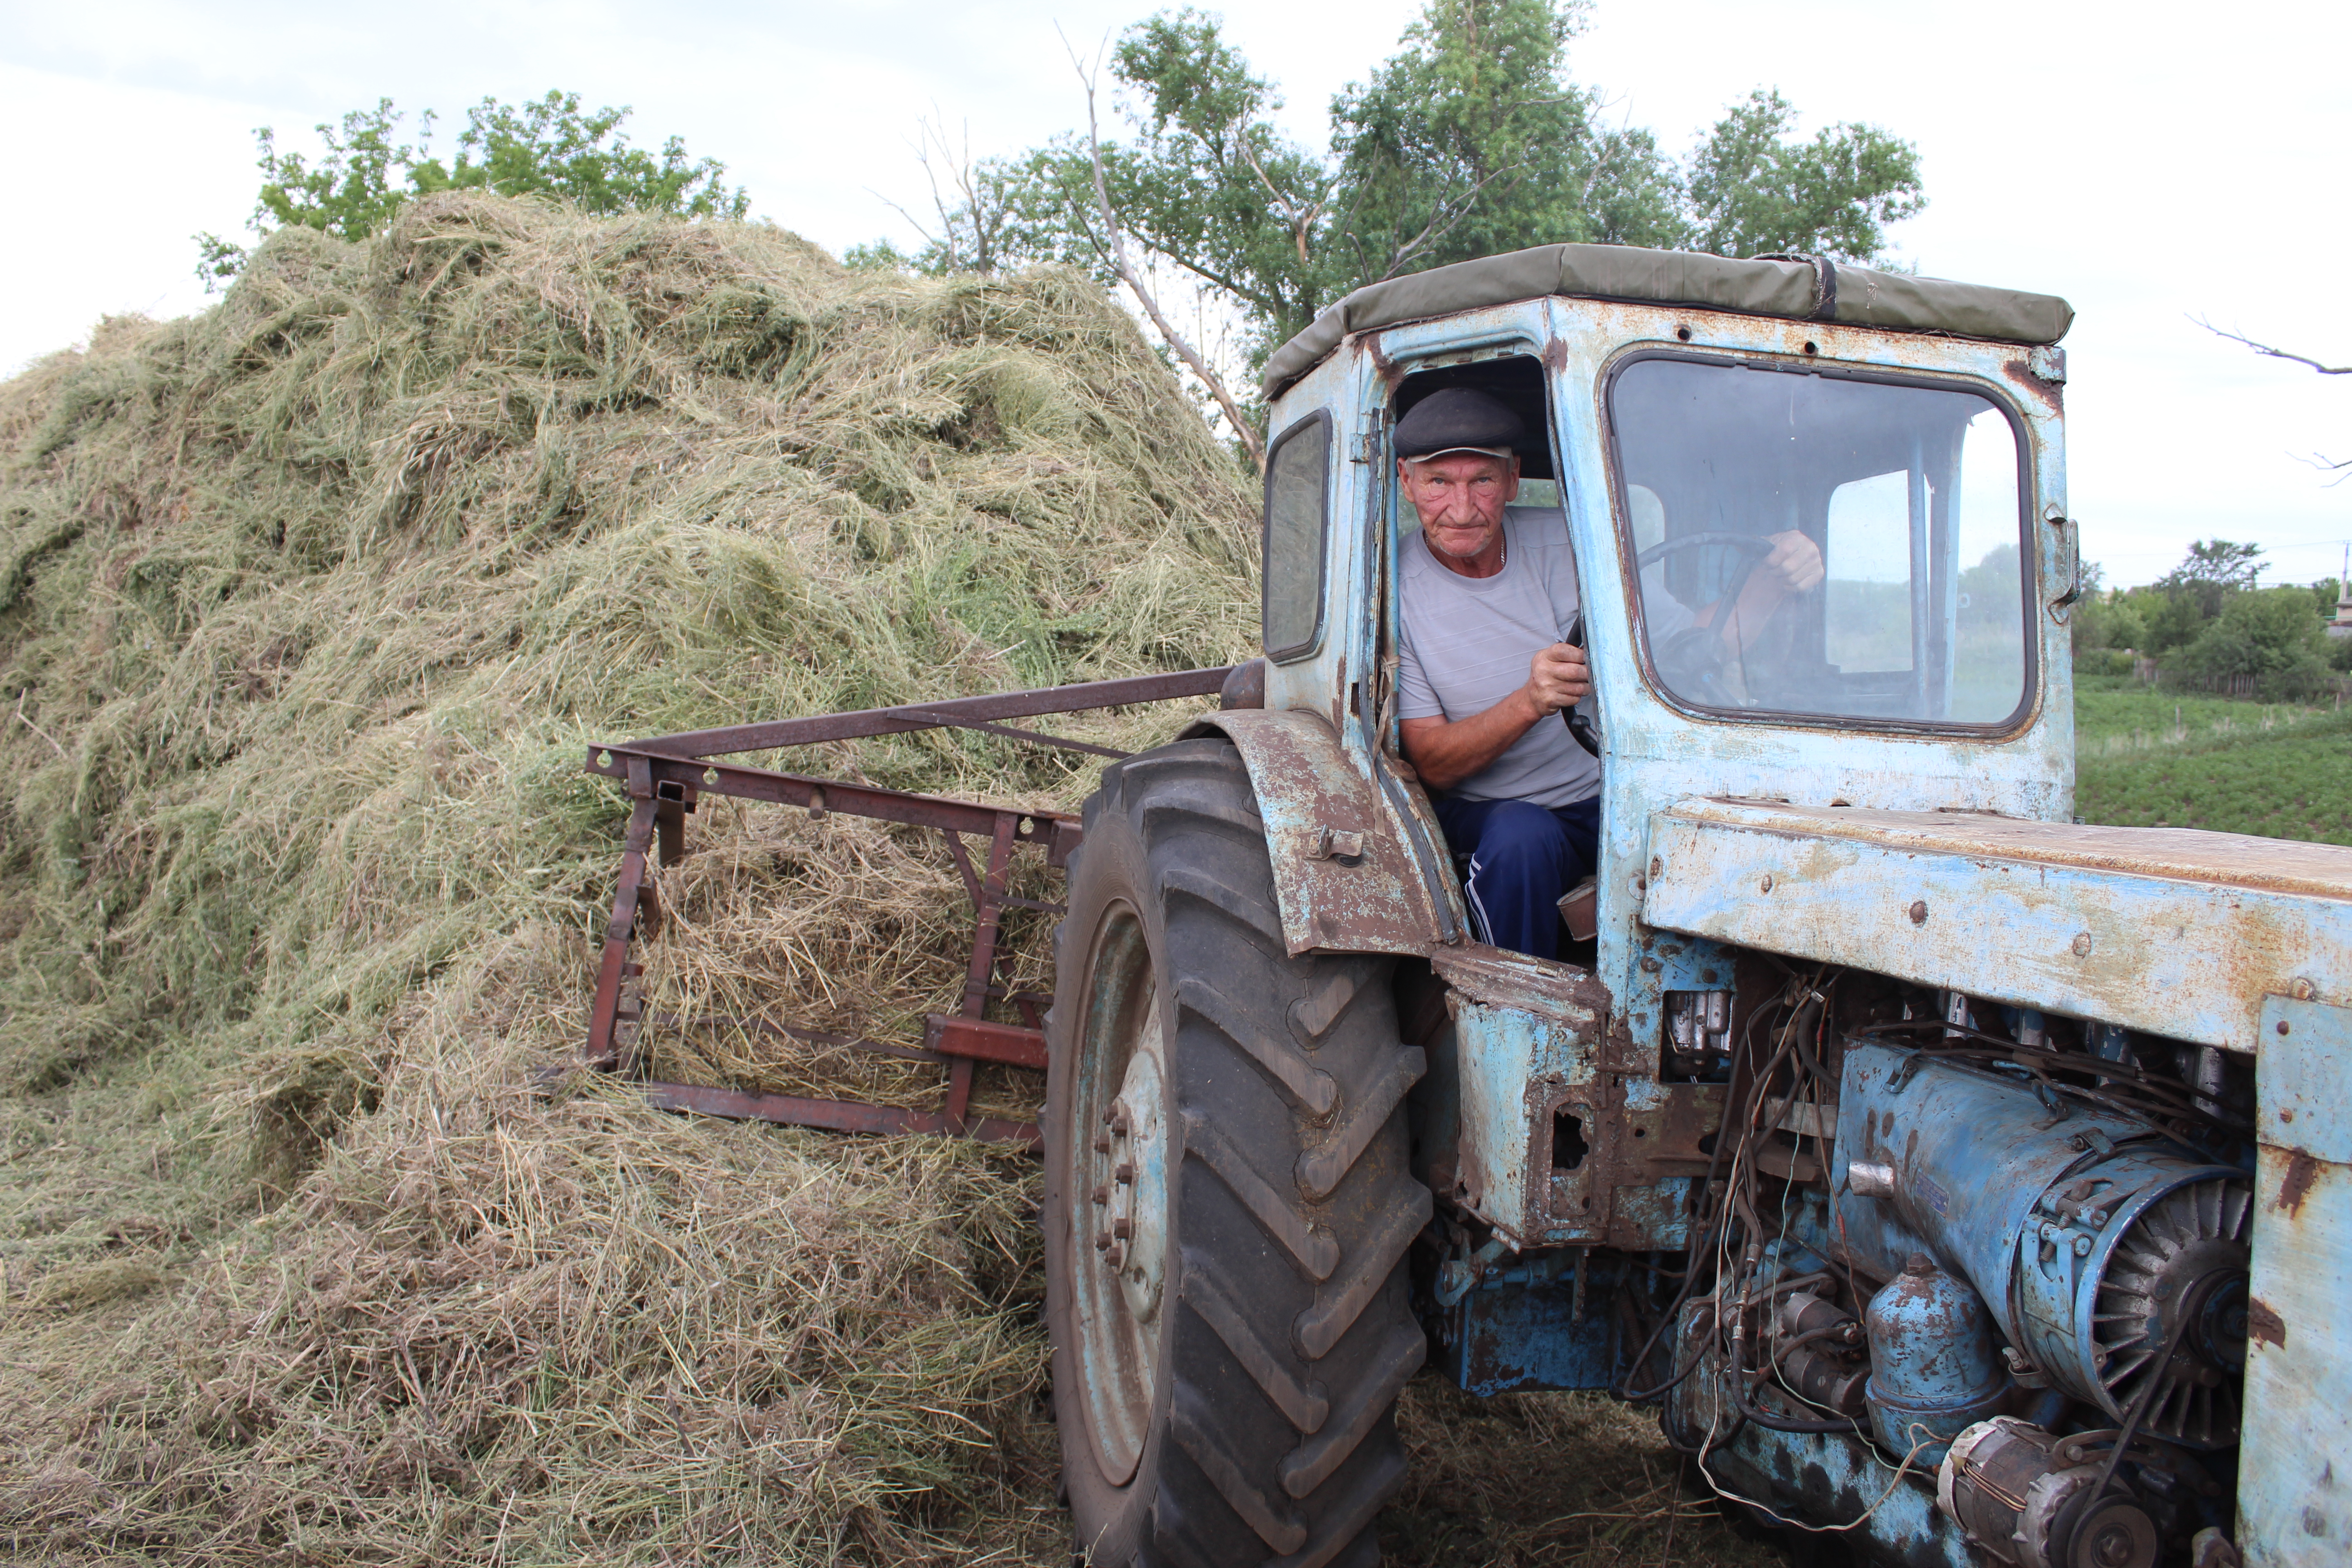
[666, 775]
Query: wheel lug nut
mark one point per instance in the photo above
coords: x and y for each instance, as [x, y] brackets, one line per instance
[1102, 1145]
[1122, 1228]
[1114, 1256]
[1102, 1241]
[1102, 1195]
[1119, 1120]
[1126, 1174]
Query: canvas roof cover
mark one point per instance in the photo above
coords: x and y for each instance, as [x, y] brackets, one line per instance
[1804, 289]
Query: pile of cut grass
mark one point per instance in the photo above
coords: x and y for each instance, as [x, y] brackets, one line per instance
[308, 607]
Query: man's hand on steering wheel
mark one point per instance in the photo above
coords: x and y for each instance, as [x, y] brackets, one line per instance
[1795, 560]
[1558, 677]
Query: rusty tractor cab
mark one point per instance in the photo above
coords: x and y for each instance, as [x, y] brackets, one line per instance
[1947, 1174]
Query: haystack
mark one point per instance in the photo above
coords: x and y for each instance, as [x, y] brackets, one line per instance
[308, 607]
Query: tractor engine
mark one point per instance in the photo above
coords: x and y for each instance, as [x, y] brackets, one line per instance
[2111, 1258]
[2011, 1265]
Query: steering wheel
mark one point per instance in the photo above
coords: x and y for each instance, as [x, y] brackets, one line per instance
[1748, 542]
[1692, 659]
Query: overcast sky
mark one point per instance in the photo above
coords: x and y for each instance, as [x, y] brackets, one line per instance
[2151, 163]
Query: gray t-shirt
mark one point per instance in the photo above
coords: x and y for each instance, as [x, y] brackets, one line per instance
[1467, 642]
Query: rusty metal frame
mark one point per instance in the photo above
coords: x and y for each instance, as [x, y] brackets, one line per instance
[664, 777]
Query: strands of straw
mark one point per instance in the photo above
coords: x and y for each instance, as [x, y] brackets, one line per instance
[308, 607]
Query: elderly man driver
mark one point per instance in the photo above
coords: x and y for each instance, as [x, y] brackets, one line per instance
[1487, 594]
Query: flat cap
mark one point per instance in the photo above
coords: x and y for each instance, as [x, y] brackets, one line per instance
[1459, 419]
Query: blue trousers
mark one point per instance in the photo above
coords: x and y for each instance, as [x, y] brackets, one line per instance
[1523, 857]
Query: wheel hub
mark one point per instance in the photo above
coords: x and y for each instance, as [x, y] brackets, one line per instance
[1131, 1207]
[1116, 1182]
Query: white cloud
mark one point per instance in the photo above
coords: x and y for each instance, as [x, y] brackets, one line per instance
[2148, 162]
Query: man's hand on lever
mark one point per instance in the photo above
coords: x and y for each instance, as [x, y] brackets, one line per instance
[1558, 677]
[1445, 752]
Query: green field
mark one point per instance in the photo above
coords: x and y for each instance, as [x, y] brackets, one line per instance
[2152, 758]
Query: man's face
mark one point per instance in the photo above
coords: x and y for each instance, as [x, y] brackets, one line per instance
[1460, 497]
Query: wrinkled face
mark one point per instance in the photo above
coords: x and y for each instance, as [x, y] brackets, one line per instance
[1460, 497]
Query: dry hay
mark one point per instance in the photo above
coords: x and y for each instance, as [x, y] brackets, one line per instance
[308, 607]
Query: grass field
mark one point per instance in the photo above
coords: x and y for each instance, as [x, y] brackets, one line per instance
[2151, 758]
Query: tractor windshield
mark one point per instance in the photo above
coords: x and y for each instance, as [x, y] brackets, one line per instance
[1822, 545]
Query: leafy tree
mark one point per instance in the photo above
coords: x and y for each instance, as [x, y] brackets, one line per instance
[1990, 589]
[2171, 619]
[546, 147]
[2101, 622]
[1470, 139]
[2211, 569]
[1754, 190]
[2268, 633]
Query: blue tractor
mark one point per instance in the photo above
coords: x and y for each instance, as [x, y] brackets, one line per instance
[1942, 1170]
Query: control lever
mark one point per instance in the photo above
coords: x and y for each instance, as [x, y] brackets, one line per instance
[1579, 726]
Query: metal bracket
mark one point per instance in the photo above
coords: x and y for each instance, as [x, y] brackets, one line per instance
[666, 776]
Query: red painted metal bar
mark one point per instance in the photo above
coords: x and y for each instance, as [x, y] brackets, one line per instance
[1007, 1043]
[987, 922]
[987, 915]
[1038, 737]
[604, 1012]
[794, 1032]
[994, 707]
[672, 777]
[840, 1115]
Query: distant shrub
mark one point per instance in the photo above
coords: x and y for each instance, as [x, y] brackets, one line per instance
[2108, 623]
[2268, 635]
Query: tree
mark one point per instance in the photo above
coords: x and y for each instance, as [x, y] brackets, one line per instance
[547, 147]
[1754, 190]
[2269, 634]
[2104, 622]
[2212, 569]
[1471, 139]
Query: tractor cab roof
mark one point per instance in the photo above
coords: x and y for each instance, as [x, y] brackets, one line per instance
[1796, 288]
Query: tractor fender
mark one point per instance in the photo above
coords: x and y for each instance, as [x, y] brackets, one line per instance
[1347, 870]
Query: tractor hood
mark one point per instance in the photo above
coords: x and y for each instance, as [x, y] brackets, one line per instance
[2169, 930]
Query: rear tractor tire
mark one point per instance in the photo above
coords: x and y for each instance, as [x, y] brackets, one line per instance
[1227, 1203]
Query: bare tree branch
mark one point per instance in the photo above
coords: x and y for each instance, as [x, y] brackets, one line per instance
[2327, 465]
[1129, 274]
[1441, 222]
[2276, 353]
[1301, 220]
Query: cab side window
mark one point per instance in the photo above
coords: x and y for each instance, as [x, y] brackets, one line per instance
[1297, 517]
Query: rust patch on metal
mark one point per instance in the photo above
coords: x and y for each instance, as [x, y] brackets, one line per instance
[2302, 1169]
[2263, 1324]
[1555, 355]
[2051, 393]
[1345, 875]
[1503, 979]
